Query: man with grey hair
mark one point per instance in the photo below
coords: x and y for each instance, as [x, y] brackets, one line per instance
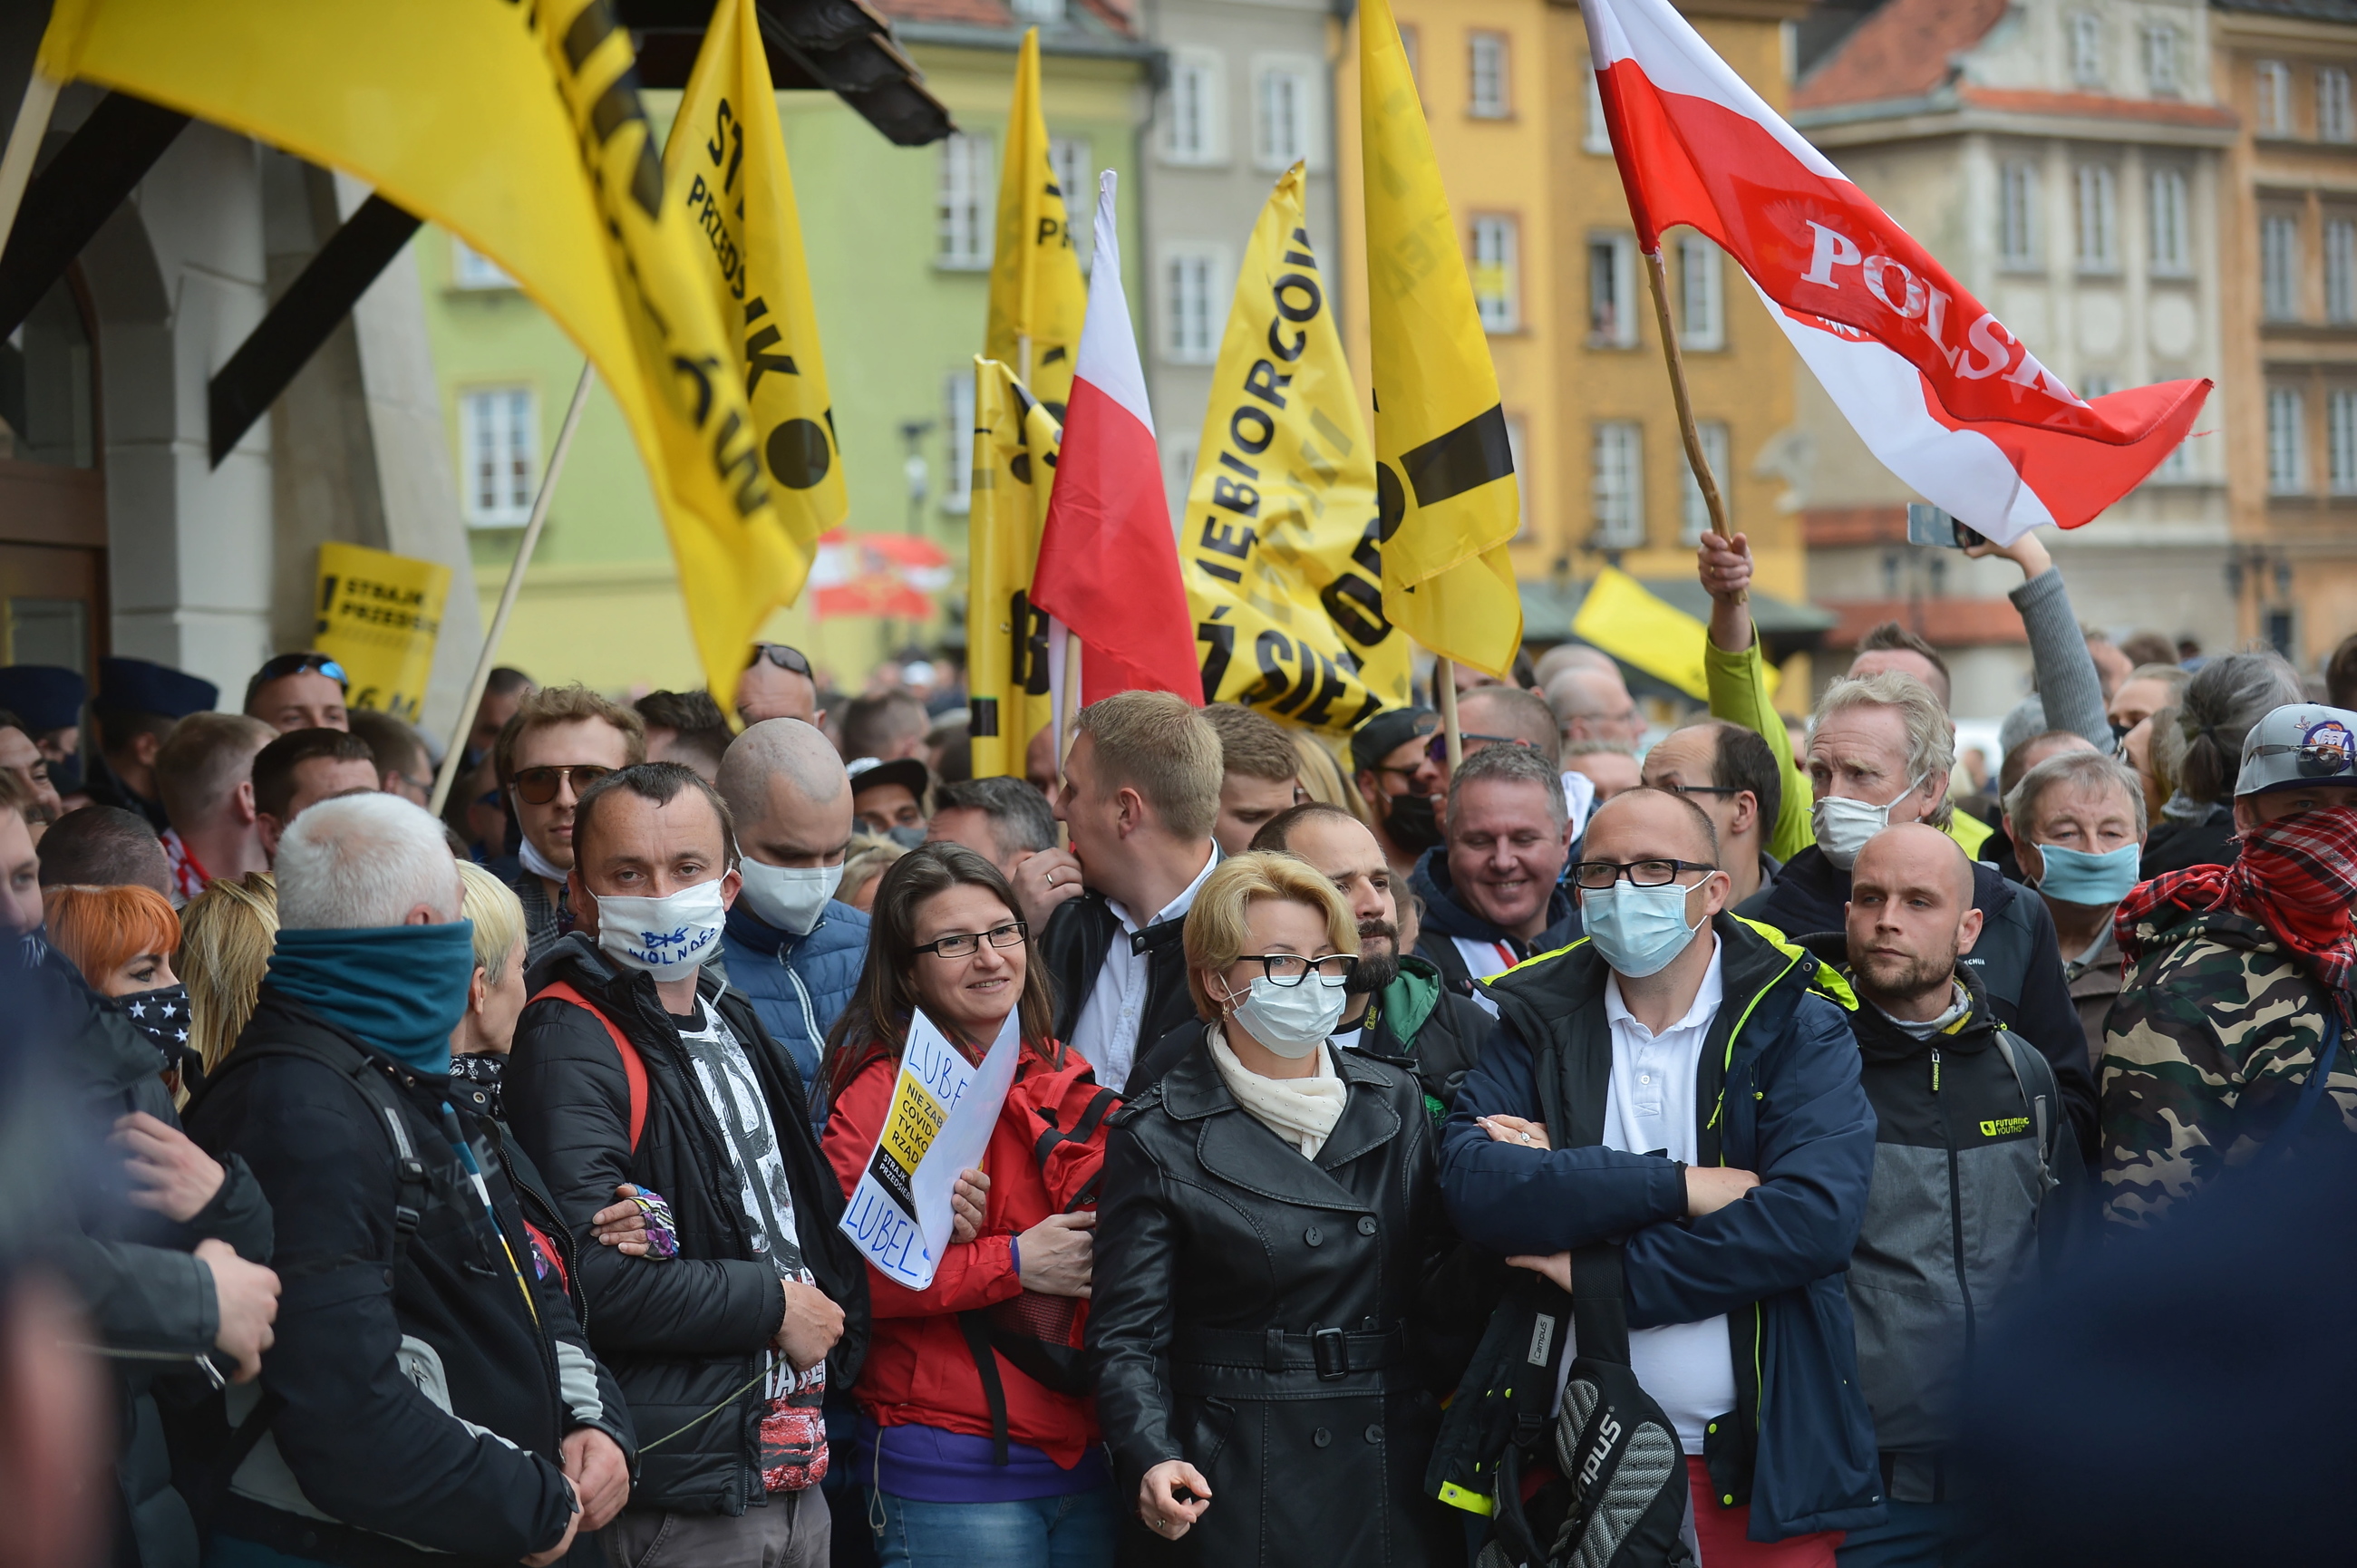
[1492, 888]
[790, 946]
[430, 1390]
[1004, 821]
[1879, 753]
[2077, 820]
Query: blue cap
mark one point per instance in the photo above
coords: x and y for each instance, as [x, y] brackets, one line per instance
[45, 696]
[143, 686]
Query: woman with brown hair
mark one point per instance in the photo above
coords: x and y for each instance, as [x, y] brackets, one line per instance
[975, 1432]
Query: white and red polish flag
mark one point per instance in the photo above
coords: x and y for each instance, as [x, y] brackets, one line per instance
[1108, 570]
[1952, 403]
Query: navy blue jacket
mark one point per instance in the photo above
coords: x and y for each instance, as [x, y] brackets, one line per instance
[1445, 917]
[798, 986]
[1778, 1095]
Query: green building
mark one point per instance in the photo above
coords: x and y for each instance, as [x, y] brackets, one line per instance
[899, 243]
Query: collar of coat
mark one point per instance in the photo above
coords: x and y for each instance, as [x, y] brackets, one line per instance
[1232, 1145]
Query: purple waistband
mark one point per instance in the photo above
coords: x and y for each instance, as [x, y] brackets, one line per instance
[927, 1464]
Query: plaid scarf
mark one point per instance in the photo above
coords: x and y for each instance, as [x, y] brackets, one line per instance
[2297, 877]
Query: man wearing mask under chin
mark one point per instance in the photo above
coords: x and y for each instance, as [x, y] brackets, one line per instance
[1880, 752]
[633, 1064]
[1675, 1084]
[792, 948]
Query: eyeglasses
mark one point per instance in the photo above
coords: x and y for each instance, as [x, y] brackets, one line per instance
[1436, 748]
[783, 656]
[966, 944]
[1292, 969]
[1698, 788]
[1596, 876]
[538, 785]
[287, 664]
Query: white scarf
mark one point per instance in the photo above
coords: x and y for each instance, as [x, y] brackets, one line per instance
[1299, 1110]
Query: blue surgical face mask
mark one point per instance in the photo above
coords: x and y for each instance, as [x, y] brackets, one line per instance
[2077, 877]
[1637, 930]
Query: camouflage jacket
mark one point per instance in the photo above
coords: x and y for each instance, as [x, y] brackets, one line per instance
[2205, 1054]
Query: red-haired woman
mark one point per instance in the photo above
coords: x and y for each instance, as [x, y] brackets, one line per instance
[122, 939]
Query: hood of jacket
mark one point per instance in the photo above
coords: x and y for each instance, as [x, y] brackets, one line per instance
[1446, 914]
[1410, 998]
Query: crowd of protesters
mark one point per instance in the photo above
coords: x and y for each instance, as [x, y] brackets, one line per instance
[469, 1188]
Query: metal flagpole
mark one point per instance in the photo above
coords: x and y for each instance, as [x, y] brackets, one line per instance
[456, 755]
[1658, 277]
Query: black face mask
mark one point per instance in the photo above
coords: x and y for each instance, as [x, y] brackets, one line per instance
[162, 1014]
[1412, 822]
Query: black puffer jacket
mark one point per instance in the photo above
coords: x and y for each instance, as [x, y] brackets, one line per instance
[1257, 1314]
[684, 1334]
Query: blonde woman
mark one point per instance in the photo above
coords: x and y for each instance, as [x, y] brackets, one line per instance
[1269, 1216]
[226, 935]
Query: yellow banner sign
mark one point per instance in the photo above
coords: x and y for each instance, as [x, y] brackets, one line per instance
[379, 616]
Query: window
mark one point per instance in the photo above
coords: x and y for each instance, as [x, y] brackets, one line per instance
[1497, 274]
[1612, 291]
[2171, 246]
[2016, 215]
[2098, 383]
[957, 415]
[2271, 92]
[1486, 96]
[2279, 266]
[2332, 120]
[2099, 217]
[1037, 10]
[499, 434]
[1195, 131]
[2086, 46]
[968, 190]
[2340, 271]
[1702, 315]
[1620, 485]
[1594, 137]
[2286, 441]
[1515, 450]
[1192, 315]
[1069, 157]
[1693, 512]
[2341, 440]
[2161, 72]
[2177, 468]
[469, 268]
[1283, 117]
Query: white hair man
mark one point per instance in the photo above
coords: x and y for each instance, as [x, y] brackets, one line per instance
[336, 1098]
[2077, 820]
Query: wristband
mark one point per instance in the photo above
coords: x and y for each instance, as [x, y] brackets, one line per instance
[1014, 1253]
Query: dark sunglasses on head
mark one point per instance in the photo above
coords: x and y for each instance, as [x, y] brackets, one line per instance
[1436, 748]
[783, 656]
[287, 664]
[538, 785]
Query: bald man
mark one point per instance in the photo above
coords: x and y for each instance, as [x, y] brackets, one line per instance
[1595, 705]
[1969, 1132]
[790, 946]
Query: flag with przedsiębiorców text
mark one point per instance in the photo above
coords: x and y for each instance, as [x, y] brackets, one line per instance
[1280, 544]
[1009, 690]
[1038, 297]
[519, 128]
[1445, 483]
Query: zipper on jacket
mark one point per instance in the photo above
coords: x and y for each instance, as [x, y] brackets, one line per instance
[1956, 1210]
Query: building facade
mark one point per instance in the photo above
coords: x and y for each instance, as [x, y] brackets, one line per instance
[2068, 160]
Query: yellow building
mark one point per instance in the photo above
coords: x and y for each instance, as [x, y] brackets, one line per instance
[1511, 99]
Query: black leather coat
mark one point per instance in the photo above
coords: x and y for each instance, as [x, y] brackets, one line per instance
[1257, 1315]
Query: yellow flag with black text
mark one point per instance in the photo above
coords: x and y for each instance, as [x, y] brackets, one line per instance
[519, 128]
[726, 163]
[1279, 538]
[1015, 445]
[1037, 294]
[1445, 474]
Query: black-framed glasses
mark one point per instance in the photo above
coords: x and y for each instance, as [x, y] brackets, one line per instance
[781, 655]
[966, 944]
[1700, 789]
[287, 664]
[1292, 967]
[538, 785]
[1436, 748]
[1596, 876]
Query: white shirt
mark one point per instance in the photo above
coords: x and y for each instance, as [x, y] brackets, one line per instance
[1688, 1367]
[1484, 957]
[1106, 1032]
[1578, 795]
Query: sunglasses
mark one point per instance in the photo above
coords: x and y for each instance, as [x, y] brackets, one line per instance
[538, 785]
[1436, 748]
[783, 656]
[287, 664]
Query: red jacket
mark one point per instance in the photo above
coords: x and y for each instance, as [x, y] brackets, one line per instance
[920, 1370]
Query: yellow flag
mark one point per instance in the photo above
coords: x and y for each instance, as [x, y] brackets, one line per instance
[1629, 621]
[1014, 444]
[378, 617]
[1036, 288]
[1280, 538]
[519, 128]
[1444, 477]
[726, 163]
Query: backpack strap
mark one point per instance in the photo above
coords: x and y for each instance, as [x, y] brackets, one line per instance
[2041, 1097]
[1100, 1105]
[634, 1065]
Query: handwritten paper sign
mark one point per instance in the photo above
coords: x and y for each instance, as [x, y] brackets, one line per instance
[944, 1108]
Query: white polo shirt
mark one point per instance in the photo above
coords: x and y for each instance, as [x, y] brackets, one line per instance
[1106, 1032]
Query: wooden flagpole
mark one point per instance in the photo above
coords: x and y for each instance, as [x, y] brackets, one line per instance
[1444, 697]
[1658, 277]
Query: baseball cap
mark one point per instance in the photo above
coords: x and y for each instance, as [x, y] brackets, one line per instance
[1386, 733]
[2299, 745]
[867, 773]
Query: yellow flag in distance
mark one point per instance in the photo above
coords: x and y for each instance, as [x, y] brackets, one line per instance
[1279, 538]
[726, 163]
[520, 129]
[1015, 445]
[1036, 292]
[1444, 475]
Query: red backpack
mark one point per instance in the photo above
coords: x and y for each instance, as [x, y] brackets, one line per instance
[634, 1065]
